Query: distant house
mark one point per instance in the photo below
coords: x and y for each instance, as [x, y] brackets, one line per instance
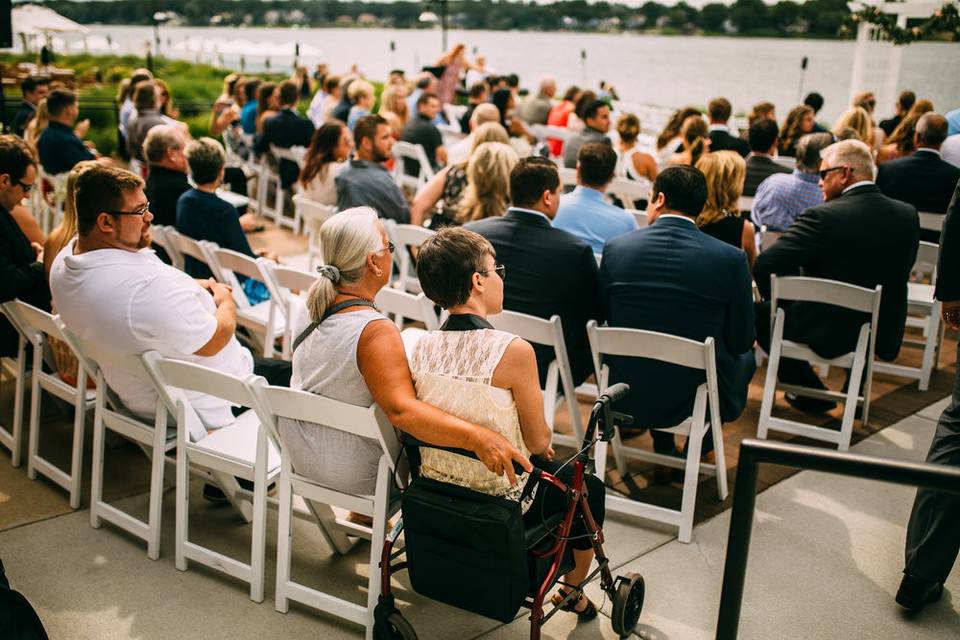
[344, 20]
[367, 19]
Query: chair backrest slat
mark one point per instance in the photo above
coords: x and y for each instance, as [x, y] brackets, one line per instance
[639, 343]
[530, 328]
[237, 262]
[415, 307]
[627, 189]
[833, 292]
[194, 377]
[931, 221]
[639, 216]
[310, 407]
[29, 317]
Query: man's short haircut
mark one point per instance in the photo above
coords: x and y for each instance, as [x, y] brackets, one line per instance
[684, 188]
[530, 178]
[15, 156]
[206, 158]
[478, 89]
[145, 96]
[289, 93]
[30, 83]
[814, 100]
[591, 111]
[99, 189]
[330, 83]
[251, 87]
[597, 162]
[762, 135]
[138, 76]
[850, 153]
[719, 109]
[425, 97]
[446, 262]
[484, 113]
[159, 139]
[366, 127]
[513, 81]
[808, 151]
[59, 100]
[932, 129]
[906, 100]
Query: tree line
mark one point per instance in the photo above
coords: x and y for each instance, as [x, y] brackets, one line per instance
[813, 18]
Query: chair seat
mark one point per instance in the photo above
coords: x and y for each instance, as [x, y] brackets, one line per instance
[920, 294]
[238, 441]
[236, 199]
[258, 315]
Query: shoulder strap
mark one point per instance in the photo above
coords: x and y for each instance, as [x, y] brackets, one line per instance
[352, 302]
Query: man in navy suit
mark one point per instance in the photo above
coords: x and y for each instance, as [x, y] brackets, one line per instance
[923, 179]
[286, 129]
[672, 278]
[719, 110]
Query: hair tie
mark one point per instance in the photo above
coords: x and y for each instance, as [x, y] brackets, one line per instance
[329, 272]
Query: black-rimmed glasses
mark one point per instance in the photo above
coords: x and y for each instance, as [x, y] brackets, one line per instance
[825, 172]
[26, 187]
[139, 211]
[501, 270]
[390, 247]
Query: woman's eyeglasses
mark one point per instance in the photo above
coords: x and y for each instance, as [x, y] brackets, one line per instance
[501, 270]
[390, 247]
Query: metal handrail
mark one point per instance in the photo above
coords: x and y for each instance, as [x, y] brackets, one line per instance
[753, 453]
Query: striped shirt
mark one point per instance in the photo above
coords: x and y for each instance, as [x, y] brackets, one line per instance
[784, 196]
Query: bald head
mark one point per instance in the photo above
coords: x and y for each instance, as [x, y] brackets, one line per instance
[484, 113]
[931, 130]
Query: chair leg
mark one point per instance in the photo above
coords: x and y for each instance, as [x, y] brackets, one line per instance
[19, 391]
[157, 461]
[34, 430]
[691, 477]
[381, 504]
[96, 478]
[183, 506]
[929, 350]
[76, 454]
[258, 542]
[850, 404]
[770, 383]
[284, 537]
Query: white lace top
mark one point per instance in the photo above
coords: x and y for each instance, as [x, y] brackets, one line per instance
[452, 370]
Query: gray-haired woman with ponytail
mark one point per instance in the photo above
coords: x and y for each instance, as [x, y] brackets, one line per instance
[352, 353]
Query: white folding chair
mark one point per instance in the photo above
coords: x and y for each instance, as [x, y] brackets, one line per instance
[369, 422]
[639, 216]
[787, 161]
[282, 281]
[401, 306]
[406, 237]
[768, 238]
[12, 437]
[312, 215]
[236, 199]
[629, 191]
[37, 326]
[923, 310]
[404, 152]
[49, 213]
[238, 450]
[295, 155]
[559, 384]
[162, 238]
[261, 320]
[547, 132]
[704, 421]
[568, 177]
[253, 169]
[745, 203]
[199, 250]
[859, 361]
[931, 221]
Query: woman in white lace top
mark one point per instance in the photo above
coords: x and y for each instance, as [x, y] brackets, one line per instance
[488, 377]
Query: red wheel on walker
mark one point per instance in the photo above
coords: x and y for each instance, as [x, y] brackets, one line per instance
[627, 604]
[396, 628]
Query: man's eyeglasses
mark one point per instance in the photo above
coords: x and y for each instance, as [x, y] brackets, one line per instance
[825, 172]
[501, 270]
[26, 187]
[139, 211]
[390, 247]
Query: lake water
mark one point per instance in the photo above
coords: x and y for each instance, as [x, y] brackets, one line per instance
[671, 71]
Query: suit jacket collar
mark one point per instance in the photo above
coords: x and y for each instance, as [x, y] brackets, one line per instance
[683, 223]
[864, 188]
[525, 217]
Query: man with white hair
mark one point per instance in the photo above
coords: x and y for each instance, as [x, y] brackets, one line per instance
[460, 152]
[167, 180]
[858, 236]
[535, 108]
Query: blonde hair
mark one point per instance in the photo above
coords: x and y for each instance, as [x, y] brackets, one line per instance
[489, 132]
[346, 239]
[390, 104]
[695, 135]
[37, 124]
[859, 120]
[67, 228]
[725, 172]
[488, 182]
[359, 89]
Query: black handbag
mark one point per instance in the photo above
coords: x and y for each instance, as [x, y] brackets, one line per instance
[465, 548]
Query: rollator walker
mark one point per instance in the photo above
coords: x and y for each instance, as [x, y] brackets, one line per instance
[472, 550]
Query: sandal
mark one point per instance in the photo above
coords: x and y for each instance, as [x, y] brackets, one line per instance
[589, 612]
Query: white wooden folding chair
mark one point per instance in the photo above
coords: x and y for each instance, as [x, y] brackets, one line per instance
[629, 191]
[12, 437]
[859, 361]
[238, 450]
[406, 237]
[312, 215]
[559, 385]
[262, 319]
[49, 212]
[199, 250]
[282, 281]
[547, 132]
[162, 238]
[923, 310]
[768, 238]
[787, 161]
[238, 200]
[295, 155]
[253, 170]
[639, 216]
[401, 306]
[931, 221]
[277, 403]
[404, 152]
[703, 422]
[37, 326]
[568, 177]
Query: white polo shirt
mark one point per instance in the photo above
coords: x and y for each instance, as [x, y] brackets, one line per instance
[129, 302]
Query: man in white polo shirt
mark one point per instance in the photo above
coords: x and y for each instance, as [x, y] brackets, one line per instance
[114, 293]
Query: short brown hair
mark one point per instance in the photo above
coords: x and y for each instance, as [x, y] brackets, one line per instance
[366, 127]
[145, 96]
[530, 178]
[60, 99]
[101, 188]
[289, 92]
[447, 261]
[597, 162]
[15, 156]
[719, 109]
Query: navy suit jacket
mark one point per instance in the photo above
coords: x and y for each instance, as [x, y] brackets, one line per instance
[549, 271]
[923, 180]
[723, 141]
[672, 278]
[286, 129]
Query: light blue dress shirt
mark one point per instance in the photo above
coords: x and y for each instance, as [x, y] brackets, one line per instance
[584, 213]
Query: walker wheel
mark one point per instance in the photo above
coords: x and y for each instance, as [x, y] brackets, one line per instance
[396, 628]
[627, 604]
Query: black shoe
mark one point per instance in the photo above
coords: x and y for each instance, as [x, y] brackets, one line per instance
[246, 484]
[914, 593]
[213, 494]
[810, 405]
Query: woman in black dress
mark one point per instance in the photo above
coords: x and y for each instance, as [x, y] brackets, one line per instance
[725, 172]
